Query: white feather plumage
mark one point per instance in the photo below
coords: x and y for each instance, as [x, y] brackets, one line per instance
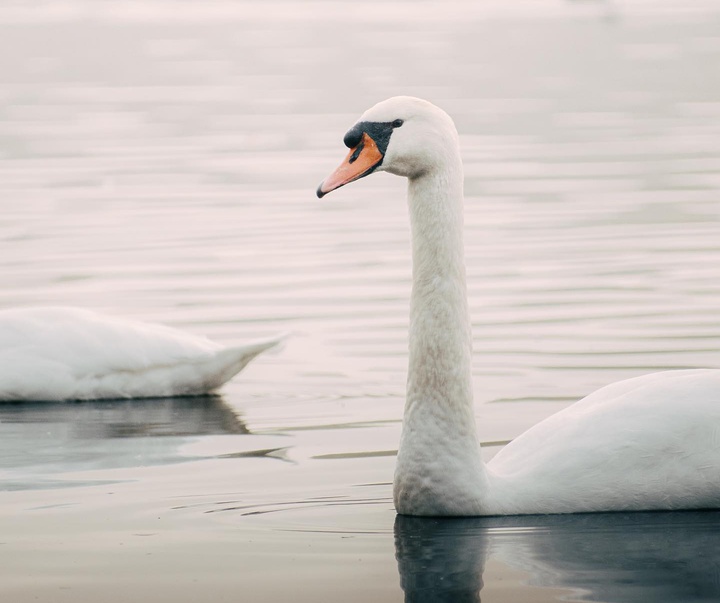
[57, 353]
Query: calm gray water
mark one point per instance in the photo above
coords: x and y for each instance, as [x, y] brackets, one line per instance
[158, 160]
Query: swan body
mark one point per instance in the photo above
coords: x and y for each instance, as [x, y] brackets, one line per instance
[648, 443]
[56, 353]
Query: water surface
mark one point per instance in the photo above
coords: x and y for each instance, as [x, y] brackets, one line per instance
[158, 160]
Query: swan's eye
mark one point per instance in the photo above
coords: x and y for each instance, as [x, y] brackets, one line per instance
[397, 123]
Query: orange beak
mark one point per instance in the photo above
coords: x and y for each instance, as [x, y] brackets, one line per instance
[360, 162]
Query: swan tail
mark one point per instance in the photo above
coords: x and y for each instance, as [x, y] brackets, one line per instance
[230, 361]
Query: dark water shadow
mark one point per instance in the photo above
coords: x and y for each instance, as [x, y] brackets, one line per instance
[39, 441]
[616, 557]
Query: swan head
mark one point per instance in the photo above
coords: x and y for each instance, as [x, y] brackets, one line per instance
[402, 135]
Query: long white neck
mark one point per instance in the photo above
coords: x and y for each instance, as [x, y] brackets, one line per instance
[439, 470]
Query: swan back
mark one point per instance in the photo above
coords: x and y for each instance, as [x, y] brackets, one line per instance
[58, 353]
[647, 443]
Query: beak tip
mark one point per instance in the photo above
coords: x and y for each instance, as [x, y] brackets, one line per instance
[320, 192]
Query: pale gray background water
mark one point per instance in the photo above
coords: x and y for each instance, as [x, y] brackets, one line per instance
[158, 160]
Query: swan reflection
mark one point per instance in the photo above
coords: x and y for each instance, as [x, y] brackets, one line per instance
[39, 441]
[197, 415]
[617, 557]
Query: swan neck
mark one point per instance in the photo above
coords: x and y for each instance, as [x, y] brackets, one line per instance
[440, 333]
[439, 470]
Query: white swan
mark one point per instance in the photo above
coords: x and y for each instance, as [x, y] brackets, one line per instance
[647, 443]
[56, 353]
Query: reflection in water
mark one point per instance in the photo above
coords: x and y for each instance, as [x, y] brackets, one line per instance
[197, 415]
[40, 441]
[606, 557]
[440, 559]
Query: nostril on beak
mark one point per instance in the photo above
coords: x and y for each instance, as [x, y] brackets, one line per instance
[356, 152]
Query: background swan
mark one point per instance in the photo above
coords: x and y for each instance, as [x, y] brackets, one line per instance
[647, 443]
[55, 353]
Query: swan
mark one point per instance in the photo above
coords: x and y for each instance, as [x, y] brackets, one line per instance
[646, 443]
[62, 353]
